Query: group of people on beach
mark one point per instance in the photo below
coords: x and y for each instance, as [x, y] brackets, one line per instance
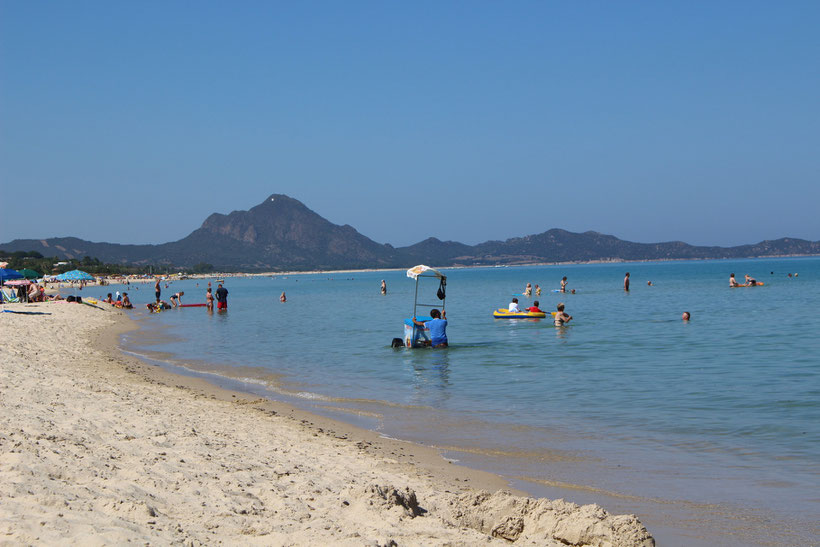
[221, 298]
[119, 301]
[34, 292]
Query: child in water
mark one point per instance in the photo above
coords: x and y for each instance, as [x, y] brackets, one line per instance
[534, 308]
[528, 290]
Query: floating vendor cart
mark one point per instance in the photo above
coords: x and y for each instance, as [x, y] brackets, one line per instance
[414, 335]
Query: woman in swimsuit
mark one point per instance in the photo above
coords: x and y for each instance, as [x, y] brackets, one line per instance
[562, 318]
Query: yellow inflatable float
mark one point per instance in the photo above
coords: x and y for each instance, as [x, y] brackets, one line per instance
[502, 313]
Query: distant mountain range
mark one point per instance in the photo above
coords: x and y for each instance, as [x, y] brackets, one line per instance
[282, 234]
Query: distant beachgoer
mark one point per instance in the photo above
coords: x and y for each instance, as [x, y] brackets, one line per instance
[384, 287]
[118, 297]
[437, 326]
[528, 290]
[514, 306]
[282, 297]
[534, 308]
[732, 281]
[750, 281]
[561, 318]
[626, 282]
[176, 298]
[209, 299]
[572, 291]
[649, 283]
[537, 290]
[157, 289]
[564, 284]
[126, 302]
[685, 316]
[221, 298]
[109, 299]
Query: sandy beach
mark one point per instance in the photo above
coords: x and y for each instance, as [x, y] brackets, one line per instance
[99, 448]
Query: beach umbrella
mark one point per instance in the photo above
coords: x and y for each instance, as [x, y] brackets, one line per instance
[28, 273]
[8, 273]
[75, 275]
[18, 283]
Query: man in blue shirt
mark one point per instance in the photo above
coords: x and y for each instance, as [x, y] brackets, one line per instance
[437, 326]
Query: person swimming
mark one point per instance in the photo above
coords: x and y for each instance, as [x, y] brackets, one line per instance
[528, 290]
[732, 281]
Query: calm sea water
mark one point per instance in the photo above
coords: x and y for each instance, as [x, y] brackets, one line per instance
[702, 428]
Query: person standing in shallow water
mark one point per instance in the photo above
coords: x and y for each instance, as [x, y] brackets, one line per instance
[221, 298]
[437, 326]
[626, 282]
[561, 318]
[384, 287]
[209, 300]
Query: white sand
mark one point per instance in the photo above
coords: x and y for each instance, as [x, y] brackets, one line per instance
[97, 448]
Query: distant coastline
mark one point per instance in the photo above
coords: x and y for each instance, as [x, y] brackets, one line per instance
[464, 267]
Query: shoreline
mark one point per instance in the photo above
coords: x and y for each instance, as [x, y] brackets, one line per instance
[469, 266]
[211, 465]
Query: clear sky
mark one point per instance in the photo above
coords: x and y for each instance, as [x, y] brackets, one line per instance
[131, 122]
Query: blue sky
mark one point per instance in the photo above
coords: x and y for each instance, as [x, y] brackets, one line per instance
[131, 122]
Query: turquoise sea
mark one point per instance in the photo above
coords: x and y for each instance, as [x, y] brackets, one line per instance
[708, 430]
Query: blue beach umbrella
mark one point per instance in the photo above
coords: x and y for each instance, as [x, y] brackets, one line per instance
[7, 274]
[75, 275]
